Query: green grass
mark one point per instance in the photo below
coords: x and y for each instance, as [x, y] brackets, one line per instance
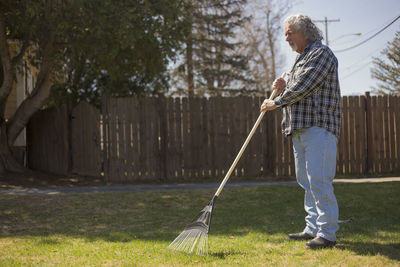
[250, 227]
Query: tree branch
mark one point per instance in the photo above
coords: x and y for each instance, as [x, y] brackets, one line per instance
[21, 53]
[8, 69]
[38, 96]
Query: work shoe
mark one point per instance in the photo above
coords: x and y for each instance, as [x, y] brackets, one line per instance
[300, 236]
[320, 242]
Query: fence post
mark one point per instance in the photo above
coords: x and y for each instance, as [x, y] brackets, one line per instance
[369, 133]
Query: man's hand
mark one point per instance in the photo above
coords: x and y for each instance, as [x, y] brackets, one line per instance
[268, 104]
[278, 85]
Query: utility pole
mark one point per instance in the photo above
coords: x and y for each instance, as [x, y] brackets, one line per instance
[325, 21]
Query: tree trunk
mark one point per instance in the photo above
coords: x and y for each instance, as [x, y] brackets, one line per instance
[9, 130]
[27, 108]
[189, 64]
[39, 94]
[271, 44]
[7, 160]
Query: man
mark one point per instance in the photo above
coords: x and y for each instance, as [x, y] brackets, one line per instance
[311, 105]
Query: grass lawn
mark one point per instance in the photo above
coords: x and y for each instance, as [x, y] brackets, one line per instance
[250, 227]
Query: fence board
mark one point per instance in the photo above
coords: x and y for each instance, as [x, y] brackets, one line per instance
[274, 142]
[268, 125]
[122, 138]
[386, 149]
[171, 142]
[357, 134]
[372, 147]
[220, 140]
[339, 159]
[113, 171]
[396, 112]
[234, 132]
[379, 136]
[251, 151]
[345, 147]
[106, 138]
[133, 147]
[260, 138]
[351, 144]
[242, 131]
[361, 135]
[213, 136]
[369, 133]
[203, 135]
[227, 157]
[162, 136]
[186, 139]
[133, 117]
[392, 133]
[155, 142]
[150, 162]
[195, 136]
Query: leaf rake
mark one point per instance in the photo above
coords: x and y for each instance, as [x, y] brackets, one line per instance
[194, 238]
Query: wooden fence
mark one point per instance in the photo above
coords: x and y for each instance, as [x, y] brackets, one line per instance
[163, 138]
[156, 138]
[48, 141]
[64, 141]
[86, 140]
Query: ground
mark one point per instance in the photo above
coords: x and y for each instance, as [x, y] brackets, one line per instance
[35, 179]
[41, 179]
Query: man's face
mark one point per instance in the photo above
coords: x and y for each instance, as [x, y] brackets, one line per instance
[295, 39]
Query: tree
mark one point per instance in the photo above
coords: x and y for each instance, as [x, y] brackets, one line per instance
[388, 71]
[134, 50]
[210, 63]
[261, 35]
[84, 48]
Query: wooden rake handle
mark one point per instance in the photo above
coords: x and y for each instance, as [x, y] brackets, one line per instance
[239, 155]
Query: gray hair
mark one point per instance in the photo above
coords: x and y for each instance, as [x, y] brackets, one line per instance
[303, 23]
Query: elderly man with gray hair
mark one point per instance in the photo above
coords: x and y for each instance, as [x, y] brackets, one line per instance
[311, 104]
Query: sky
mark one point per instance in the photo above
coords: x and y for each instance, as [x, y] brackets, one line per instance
[356, 16]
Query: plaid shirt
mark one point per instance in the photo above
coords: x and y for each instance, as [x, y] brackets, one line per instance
[312, 93]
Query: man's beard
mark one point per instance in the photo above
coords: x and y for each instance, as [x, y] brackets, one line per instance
[293, 46]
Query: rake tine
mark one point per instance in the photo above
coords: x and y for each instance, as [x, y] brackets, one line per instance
[194, 237]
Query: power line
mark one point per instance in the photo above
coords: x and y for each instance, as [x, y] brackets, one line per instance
[362, 60]
[325, 21]
[366, 40]
[355, 71]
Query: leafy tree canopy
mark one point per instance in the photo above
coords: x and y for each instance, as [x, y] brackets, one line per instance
[99, 46]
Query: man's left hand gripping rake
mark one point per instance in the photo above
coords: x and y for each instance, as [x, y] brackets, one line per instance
[194, 237]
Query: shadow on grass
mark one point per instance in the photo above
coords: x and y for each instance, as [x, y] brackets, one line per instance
[391, 251]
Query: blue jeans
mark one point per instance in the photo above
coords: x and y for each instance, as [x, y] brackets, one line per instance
[315, 160]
